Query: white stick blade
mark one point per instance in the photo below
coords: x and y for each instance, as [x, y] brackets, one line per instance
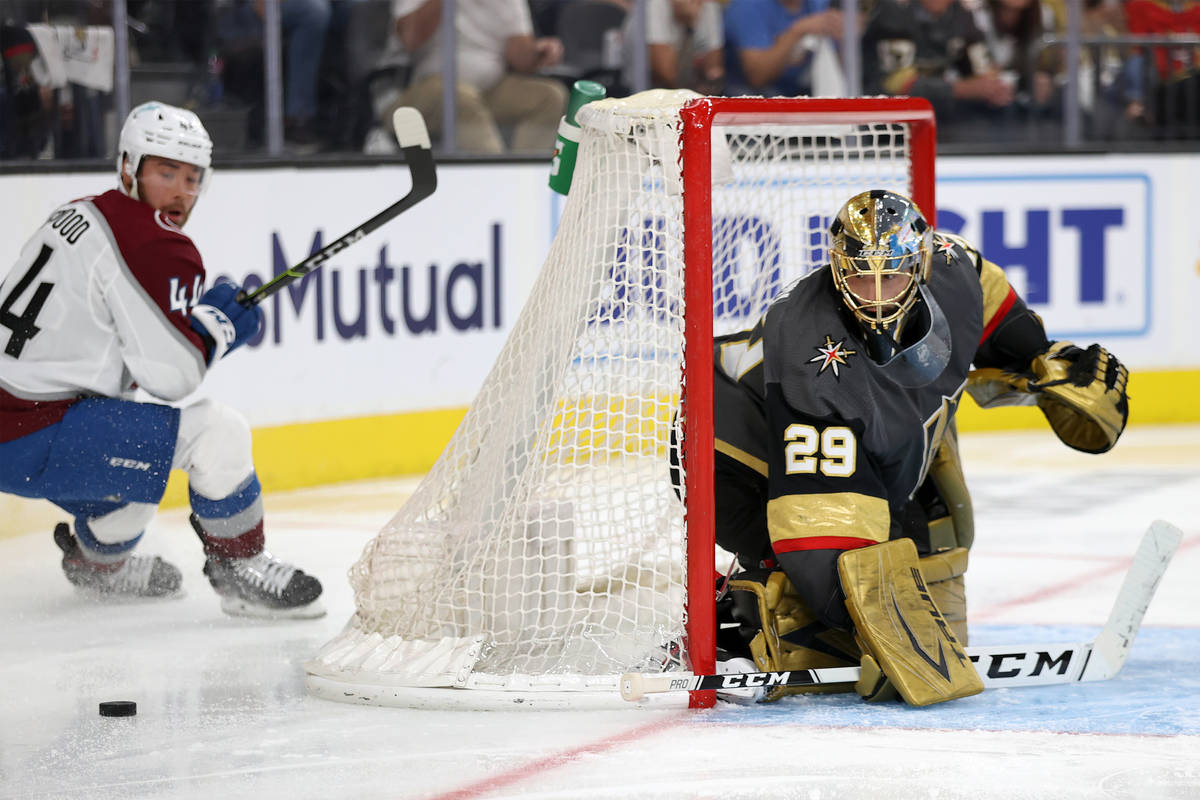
[1149, 563]
[410, 128]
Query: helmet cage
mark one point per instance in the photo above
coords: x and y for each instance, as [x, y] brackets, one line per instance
[880, 235]
[882, 309]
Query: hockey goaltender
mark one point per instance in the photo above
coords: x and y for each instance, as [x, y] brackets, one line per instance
[838, 481]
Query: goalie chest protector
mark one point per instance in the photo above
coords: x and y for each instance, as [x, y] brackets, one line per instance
[813, 355]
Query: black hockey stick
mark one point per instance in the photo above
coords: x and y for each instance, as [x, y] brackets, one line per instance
[998, 665]
[414, 142]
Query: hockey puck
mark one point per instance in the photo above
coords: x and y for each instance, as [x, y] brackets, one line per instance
[118, 708]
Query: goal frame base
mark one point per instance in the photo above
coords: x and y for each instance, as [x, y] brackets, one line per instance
[472, 698]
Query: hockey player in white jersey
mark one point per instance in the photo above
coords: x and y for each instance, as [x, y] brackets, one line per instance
[106, 297]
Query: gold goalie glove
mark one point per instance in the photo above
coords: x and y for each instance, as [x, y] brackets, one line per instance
[907, 645]
[1081, 392]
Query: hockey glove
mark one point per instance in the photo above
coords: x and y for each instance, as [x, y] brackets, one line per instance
[1083, 395]
[224, 323]
[1081, 392]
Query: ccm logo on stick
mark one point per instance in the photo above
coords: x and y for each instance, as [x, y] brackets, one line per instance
[1010, 665]
[755, 679]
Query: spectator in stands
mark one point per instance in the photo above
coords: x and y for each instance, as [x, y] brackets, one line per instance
[497, 56]
[546, 13]
[1120, 72]
[1012, 29]
[933, 49]
[304, 24]
[1174, 72]
[685, 43]
[767, 45]
[1112, 79]
[24, 105]
[47, 111]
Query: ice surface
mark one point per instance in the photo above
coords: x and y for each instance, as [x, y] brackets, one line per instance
[222, 710]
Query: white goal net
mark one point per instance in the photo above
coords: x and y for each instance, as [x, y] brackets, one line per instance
[547, 551]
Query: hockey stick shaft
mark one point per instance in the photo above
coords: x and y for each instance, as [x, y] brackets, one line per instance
[1006, 665]
[998, 665]
[1141, 582]
[414, 141]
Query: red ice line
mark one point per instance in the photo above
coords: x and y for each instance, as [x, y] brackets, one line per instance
[547, 763]
[1118, 567]
[532, 768]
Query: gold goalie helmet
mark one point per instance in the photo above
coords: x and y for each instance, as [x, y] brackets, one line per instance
[880, 254]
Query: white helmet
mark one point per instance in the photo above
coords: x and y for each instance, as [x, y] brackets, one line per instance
[157, 129]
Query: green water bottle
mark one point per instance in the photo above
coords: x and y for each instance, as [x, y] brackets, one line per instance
[566, 147]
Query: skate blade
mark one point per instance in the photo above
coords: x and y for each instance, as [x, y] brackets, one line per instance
[237, 607]
[742, 697]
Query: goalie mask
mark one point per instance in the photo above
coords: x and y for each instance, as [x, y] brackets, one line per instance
[880, 255]
[157, 129]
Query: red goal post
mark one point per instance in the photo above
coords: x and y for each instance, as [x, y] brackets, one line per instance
[698, 118]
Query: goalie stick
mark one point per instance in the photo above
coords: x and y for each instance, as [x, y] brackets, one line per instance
[998, 665]
[414, 143]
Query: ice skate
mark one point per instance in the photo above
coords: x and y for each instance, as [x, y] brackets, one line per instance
[136, 576]
[729, 664]
[262, 586]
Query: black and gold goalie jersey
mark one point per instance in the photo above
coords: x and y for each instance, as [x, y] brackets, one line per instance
[843, 442]
[909, 50]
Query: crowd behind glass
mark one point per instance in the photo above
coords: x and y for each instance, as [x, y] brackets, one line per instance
[996, 71]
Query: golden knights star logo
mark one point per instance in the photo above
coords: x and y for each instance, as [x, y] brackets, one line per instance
[946, 248]
[831, 355]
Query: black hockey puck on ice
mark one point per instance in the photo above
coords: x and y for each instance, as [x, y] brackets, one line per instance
[118, 708]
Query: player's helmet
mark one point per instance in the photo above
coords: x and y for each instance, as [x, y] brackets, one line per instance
[879, 234]
[157, 129]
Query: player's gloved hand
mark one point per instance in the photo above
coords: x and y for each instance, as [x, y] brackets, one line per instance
[224, 323]
[1082, 392]
[1066, 363]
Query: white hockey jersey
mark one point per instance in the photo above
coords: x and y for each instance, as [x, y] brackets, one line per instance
[98, 304]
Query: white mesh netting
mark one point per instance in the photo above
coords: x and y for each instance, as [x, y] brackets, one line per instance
[547, 548]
